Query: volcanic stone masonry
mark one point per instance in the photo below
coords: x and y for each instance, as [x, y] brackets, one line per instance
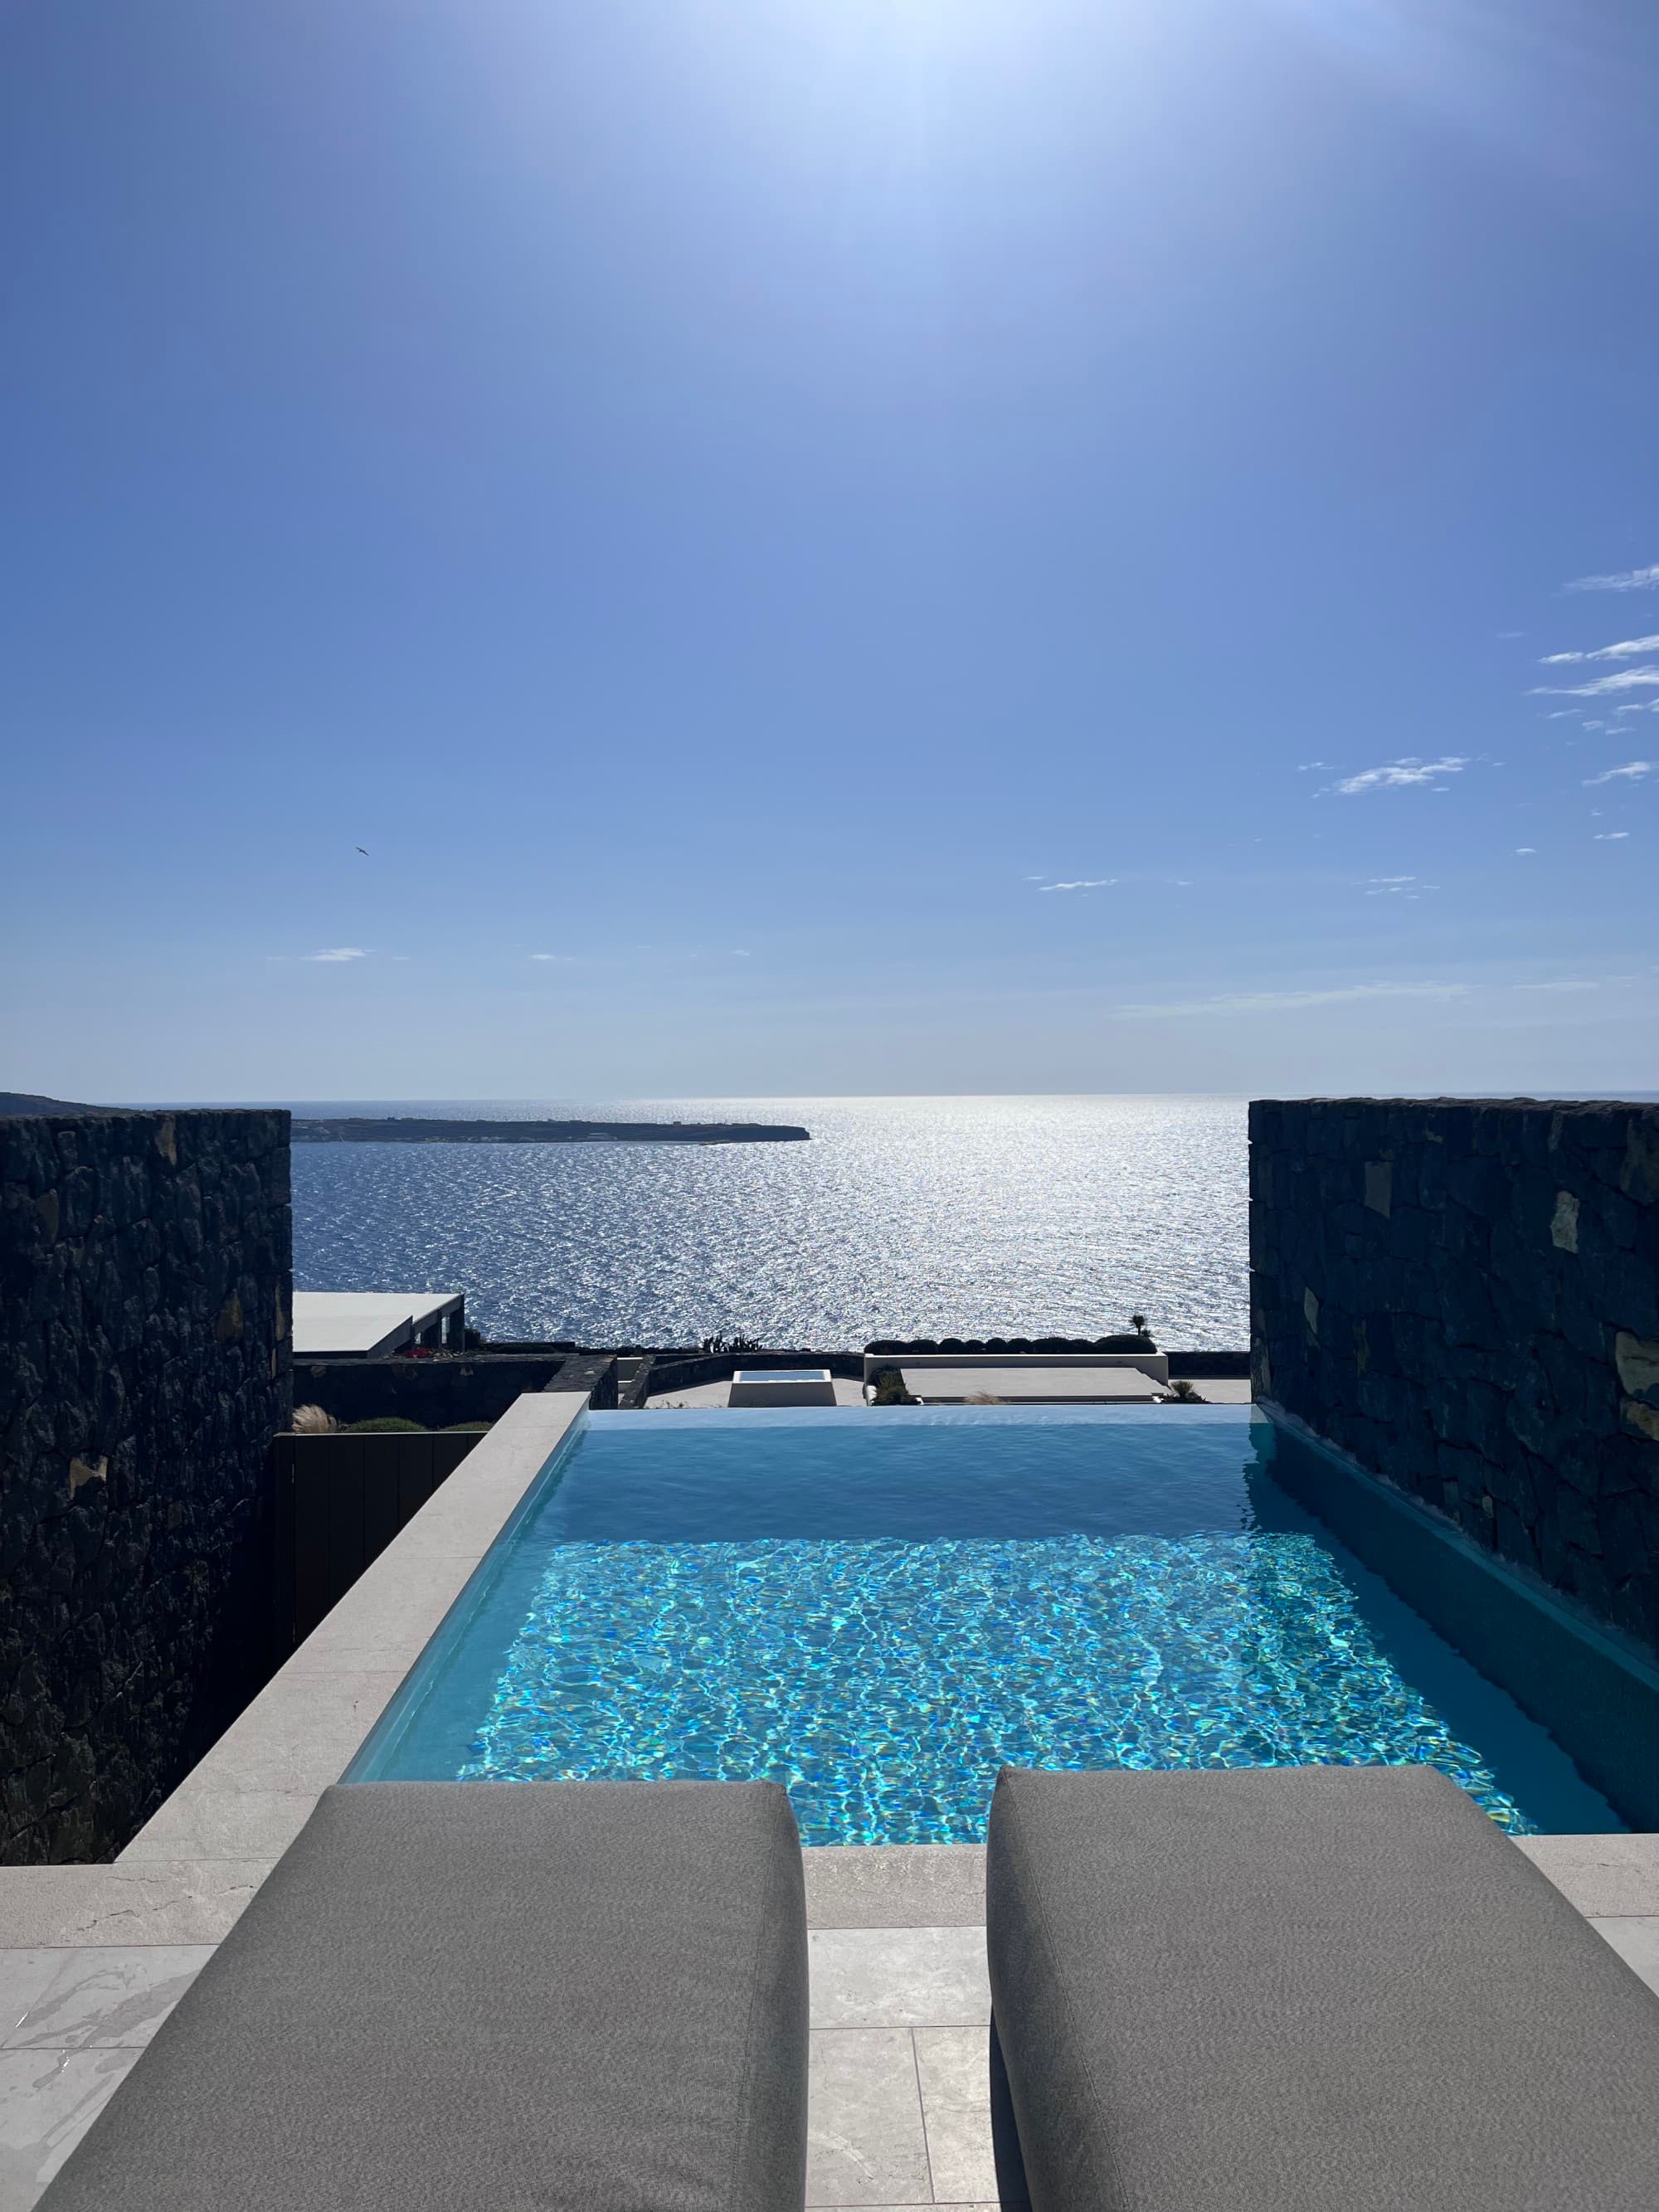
[145, 1264]
[1464, 1297]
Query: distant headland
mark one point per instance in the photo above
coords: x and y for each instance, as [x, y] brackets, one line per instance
[406, 1129]
[411, 1129]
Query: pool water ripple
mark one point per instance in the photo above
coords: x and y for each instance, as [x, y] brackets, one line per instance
[884, 1683]
[879, 1609]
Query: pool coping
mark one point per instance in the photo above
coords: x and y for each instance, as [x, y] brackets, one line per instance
[187, 1876]
[191, 1868]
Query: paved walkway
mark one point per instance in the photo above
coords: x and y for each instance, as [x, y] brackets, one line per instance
[1227, 1391]
[900, 2003]
[717, 1393]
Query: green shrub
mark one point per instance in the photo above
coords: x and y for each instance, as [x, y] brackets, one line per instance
[889, 1388]
[385, 1425]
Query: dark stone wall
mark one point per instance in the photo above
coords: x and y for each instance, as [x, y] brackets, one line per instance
[144, 1365]
[594, 1373]
[1465, 1298]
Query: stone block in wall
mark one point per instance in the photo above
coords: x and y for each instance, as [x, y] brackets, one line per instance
[1437, 1287]
[144, 1364]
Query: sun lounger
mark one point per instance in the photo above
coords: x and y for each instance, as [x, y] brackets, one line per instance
[1302, 1989]
[564, 1996]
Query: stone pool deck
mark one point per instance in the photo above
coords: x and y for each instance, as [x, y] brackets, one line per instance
[899, 1995]
[92, 1958]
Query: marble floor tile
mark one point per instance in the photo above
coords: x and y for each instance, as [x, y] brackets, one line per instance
[953, 2066]
[898, 1977]
[298, 1735]
[104, 1999]
[1606, 1877]
[864, 2139]
[174, 1902]
[1637, 1942]
[48, 2100]
[201, 1822]
[36, 1902]
[24, 1976]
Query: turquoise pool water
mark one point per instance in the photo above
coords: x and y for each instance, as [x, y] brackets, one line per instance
[879, 1609]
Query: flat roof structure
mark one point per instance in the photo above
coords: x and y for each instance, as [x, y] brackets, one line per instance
[1031, 1384]
[363, 1324]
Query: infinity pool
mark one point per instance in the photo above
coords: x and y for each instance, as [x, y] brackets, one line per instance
[877, 1608]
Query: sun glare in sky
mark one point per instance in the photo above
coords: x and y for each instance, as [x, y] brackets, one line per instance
[754, 547]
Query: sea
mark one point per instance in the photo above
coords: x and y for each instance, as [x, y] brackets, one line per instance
[900, 1217]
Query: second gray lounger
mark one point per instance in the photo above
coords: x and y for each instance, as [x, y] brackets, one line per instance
[1303, 1990]
[565, 1997]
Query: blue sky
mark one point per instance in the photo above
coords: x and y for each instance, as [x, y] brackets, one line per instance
[839, 545]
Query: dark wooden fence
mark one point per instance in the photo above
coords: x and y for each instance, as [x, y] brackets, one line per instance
[447, 1388]
[340, 1501]
[1233, 1364]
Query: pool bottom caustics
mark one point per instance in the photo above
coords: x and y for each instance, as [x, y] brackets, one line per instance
[878, 1609]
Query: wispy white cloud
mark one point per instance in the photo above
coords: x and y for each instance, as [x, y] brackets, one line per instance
[1623, 679]
[1302, 767]
[1401, 775]
[1398, 887]
[335, 952]
[1083, 883]
[1264, 1002]
[1522, 850]
[1627, 580]
[1610, 837]
[1563, 714]
[559, 959]
[1632, 772]
[740, 954]
[1627, 649]
[1566, 983]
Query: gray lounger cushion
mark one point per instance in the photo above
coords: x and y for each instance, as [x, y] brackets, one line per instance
[1305, 1990]
[523, 1997]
